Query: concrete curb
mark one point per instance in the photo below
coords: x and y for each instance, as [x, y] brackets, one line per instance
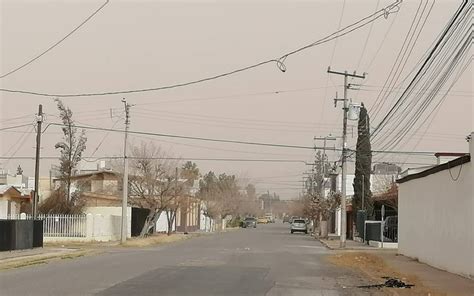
[40, 258]
[324, 243]
[347, 248]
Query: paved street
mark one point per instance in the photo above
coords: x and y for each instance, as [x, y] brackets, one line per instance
[263, 261]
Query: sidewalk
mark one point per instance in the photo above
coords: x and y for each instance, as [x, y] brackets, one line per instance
[377, 264]
[439, 280]
[19, 258]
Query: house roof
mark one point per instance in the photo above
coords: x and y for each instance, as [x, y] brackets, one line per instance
[445, 166]
[5, 188]
[17, 193]
[454, 154]
[90, 174]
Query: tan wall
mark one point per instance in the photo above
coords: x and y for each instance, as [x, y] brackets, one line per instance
[97, 185]
[44, 188]
[110, 186]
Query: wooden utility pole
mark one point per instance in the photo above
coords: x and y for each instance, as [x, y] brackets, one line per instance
[39, 121]
[343, 157]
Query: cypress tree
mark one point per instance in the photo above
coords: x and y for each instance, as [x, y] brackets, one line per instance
[363, 165]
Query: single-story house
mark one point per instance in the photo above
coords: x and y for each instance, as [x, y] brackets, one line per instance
[13, 200]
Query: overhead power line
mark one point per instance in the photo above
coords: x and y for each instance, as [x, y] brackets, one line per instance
[280, 62]
[421, 71]
[444, 58]
[14, 127]
[168, 158]
[191, 138]
[55, 44]
[87, 127]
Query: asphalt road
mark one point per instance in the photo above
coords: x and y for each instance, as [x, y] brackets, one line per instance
[267, 260]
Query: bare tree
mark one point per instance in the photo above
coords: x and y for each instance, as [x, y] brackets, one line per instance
[62, 199]
[182, 193]
[220, 195]
[152, 182]
[317, 207]
[389, 197]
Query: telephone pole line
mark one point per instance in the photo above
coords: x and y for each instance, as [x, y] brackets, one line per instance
[39, 121]
[343, 157]
[123, 237]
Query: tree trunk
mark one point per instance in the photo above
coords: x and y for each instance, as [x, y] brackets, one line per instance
[315, 227]
[170, 215]
[150, 221]
[68, 193]
[324, 229]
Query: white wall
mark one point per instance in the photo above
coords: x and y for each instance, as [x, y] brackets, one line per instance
[3, 209]
[435, 222]
[109, 215]
[162, 223]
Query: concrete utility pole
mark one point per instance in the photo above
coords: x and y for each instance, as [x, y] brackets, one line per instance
[343, 158]
[323, 160]
[123, 237]
[39, 121]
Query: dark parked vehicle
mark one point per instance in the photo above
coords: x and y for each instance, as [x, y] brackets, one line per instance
[249, 222]
[286, 219]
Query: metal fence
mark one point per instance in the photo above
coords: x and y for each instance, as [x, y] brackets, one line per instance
[60, 225]
[373, 231]
[390, 233]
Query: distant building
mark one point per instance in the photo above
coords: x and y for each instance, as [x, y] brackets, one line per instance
[386, 168]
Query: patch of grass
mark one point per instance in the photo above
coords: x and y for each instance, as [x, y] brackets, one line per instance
[23, 262]
[81, 245]
[157, 239]
[73, 255]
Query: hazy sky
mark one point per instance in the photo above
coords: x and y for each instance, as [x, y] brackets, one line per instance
[141, 44]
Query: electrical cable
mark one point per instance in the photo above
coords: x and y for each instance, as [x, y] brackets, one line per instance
[328, 77]
[443, 71]
[20, 141]
[396, 64]
[397, 76]
[384, 12]
[420, 71]
[367, 39]
[55, 44]
[233, 141]
[14, 127]
[105, 137]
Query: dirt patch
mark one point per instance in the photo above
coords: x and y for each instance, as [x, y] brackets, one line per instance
[81, 245]
[39, 259]
[378, 271]
[157, 239]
